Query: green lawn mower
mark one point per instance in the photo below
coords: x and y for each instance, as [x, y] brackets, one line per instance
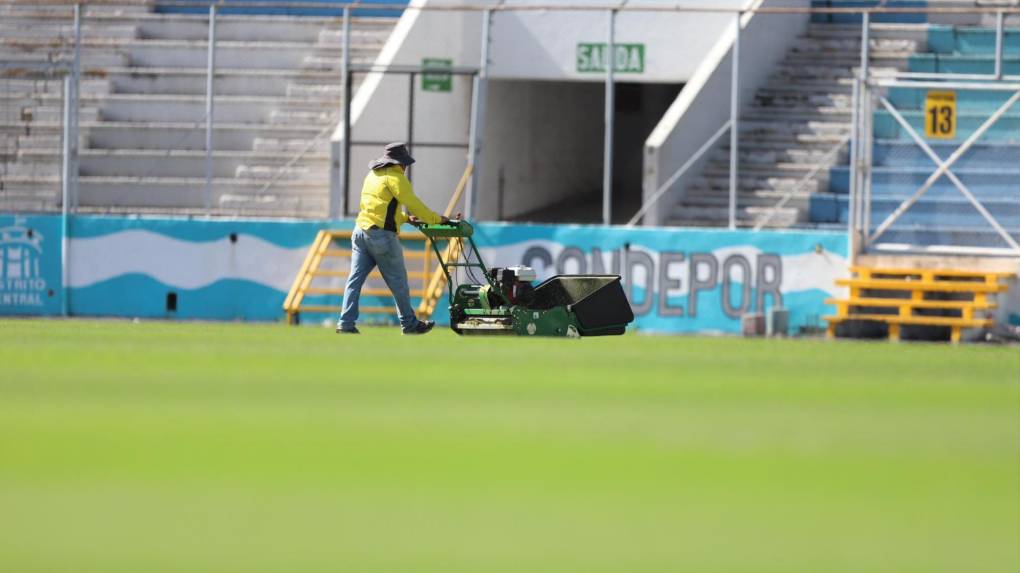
[504, 300]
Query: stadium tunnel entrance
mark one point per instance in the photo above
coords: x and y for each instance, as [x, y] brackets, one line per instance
[543, 149]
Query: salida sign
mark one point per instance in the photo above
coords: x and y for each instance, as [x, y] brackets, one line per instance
[627, 58]
[27, 267]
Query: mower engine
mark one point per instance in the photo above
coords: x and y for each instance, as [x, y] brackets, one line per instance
[509, 303]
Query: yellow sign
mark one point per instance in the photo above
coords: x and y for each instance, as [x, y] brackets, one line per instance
[940, 115]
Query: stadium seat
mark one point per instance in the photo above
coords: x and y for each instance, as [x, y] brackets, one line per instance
[142, 112]
[989, 169]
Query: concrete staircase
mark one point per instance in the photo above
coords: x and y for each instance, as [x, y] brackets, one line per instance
[142, 114]
[788, 134]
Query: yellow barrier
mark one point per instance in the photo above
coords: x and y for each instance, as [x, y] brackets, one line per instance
[873, 291]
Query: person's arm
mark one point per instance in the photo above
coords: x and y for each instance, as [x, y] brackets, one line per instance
[402, 192]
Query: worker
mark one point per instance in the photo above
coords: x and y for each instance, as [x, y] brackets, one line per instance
[374, 241]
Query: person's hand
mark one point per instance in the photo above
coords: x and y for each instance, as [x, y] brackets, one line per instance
[413, 220]
[444, 220]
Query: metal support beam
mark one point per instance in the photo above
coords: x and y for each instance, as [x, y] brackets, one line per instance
[734, 120]
[410, 118]
[999, 33]
[345, 172]
[858, 202]
[607, 152]
[338, 191]
[855, 174]
[65, 193]
[75, 106]
[867, 163]
[210, 74]
[479, 93]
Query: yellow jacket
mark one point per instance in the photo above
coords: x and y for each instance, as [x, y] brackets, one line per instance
[384, 190]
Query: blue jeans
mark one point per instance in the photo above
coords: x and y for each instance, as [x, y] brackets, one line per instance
[369, 249]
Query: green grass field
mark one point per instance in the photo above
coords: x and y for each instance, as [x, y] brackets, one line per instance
[205, 447]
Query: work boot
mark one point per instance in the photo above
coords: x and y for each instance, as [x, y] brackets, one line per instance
[421, 327]
[351, 330]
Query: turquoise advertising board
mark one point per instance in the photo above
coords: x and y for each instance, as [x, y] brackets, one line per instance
[677, 280]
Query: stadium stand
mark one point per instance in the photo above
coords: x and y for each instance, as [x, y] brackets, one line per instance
[943, 216]
[796, 120]
[142, 108]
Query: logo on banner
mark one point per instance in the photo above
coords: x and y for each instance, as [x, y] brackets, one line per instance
[21, 281]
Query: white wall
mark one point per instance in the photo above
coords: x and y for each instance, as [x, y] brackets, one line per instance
[532, 45]
[703, 106]
[524, 45]
[544, 141]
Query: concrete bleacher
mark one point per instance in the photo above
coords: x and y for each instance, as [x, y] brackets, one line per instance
[142, 112]
[990, 169]
[797, 118]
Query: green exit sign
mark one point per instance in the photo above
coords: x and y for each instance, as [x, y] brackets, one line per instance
[435, 77]
[627, 58]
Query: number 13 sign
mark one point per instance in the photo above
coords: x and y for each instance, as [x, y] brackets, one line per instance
[940, 115]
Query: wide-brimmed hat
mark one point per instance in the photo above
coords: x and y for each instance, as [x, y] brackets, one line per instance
[394, 154]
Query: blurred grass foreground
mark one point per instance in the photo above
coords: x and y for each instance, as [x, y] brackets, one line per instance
[197, 447]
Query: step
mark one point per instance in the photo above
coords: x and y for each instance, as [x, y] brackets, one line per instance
[294, 83]
[330, 115]
[918, 32]
[29, 170]
[750, 156]
[180, 135]
[32, 88]
[291, 145]
[781, 184]
[783, 217]
[972, 40]
[935, 213]
[816, 100]
[12, 29]
[983, 181]
[756, 198]
[283, 172]
[777, 85]
[829, 130]
[962, 64]
[1006, 129]
[29, 114]
[184, 53]
[761, 171]
[90, 59]
[179, 163]
[926, 239]
[119, 194]
[767, 142]
[798, 113]
[894, 153]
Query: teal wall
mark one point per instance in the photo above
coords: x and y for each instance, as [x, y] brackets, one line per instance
[678, 280]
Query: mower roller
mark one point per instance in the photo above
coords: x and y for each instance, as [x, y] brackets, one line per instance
[504, 300]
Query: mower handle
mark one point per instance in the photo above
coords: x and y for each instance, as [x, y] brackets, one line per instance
[455, 228]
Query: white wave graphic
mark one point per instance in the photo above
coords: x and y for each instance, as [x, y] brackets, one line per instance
[190, 265]
[182, 264]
